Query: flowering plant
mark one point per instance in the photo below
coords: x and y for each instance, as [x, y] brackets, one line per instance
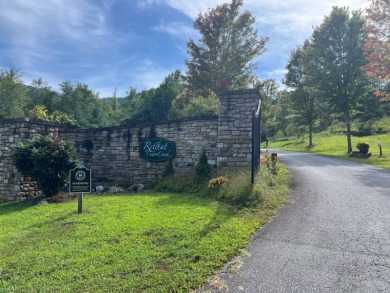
[218, 183]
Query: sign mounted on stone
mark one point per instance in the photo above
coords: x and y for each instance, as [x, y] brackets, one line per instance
[157, 149]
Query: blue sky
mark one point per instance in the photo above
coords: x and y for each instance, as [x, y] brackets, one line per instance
[110, 44]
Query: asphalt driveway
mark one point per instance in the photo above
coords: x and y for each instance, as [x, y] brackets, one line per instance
[334, 235]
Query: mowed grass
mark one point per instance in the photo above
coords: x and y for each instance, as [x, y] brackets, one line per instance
[336, 146]
[146, 242]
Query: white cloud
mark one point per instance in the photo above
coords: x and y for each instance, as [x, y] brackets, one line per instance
[36, 29]
[176, 29]
[55, 39]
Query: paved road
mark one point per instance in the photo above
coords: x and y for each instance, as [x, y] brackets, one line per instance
[334, 236]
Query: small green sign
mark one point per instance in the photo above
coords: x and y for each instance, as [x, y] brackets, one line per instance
[80, 180]
[157, 149]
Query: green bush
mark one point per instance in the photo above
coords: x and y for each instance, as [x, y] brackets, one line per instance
[47, 160]
[202, 169]
[363, 147]
[168, 170]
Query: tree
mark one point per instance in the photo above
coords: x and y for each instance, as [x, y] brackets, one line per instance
[40, 112]
[377, 45]
[269, 92]
[40, 93]
[303, 99]
[221, 59]
[202, 169]
[47, 160]
[79, 102]
[157, 103]
[337, 52]
[12, 94]
[187, 105]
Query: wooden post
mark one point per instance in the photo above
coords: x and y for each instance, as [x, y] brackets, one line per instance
[80, 204]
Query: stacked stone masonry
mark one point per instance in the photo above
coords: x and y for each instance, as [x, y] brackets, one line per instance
[112, 153]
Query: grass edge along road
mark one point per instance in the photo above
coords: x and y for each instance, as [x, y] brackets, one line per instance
[336, 146]
[145, 242]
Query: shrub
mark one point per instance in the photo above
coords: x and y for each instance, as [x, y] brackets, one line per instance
[47, 160]
[202, 169]
[363, 147]
[168, 170]
[217, 184]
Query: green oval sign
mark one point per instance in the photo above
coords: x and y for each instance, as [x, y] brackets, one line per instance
[157, 149]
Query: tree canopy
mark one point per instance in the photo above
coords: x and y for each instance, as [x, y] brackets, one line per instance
[221, 60]
[377, 44]
[12, 94]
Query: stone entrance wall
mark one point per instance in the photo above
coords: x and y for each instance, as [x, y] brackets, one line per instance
[113, 153]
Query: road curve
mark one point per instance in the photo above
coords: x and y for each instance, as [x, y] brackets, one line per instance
[334, 235]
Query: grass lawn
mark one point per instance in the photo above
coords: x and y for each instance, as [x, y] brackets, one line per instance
[146, 242]
[336, 146]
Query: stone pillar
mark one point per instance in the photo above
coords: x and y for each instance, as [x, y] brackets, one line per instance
[234, 148]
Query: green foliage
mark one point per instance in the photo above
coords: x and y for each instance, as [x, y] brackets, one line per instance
[40, 93]
[78, 101]
[303, 99]
[336, 127]
[184, 105]
[63, 119]
[47, 160]
[39, 112]
[271, 163]
[168, 170]
[366, 127]
[12, 94]
[221, 59]
[202, 169]
[156, 103]
[363, 147]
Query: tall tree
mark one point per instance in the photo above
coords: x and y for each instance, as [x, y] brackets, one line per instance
[303, 98]
[377, 45]
[12, 94]
[337, 52]
[269, 92]
[222, 58]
